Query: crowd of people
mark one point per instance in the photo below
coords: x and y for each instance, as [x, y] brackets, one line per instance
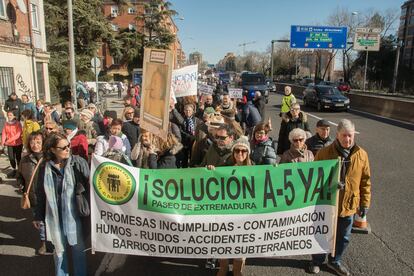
[209, 131]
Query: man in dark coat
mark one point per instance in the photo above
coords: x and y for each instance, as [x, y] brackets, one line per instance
[131, 128]
[13, 103]
[321, 138]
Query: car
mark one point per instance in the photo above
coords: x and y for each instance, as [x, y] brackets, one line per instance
[104, 88]
[271, 85]
[325, 97]
[306, 81]
[344, 87]
[255, 82]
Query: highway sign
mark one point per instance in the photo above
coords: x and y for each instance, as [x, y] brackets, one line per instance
[318, 37]
[367, 39]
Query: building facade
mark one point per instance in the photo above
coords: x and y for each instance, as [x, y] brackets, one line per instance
[122, 18]
[23, 54]
[406, 34]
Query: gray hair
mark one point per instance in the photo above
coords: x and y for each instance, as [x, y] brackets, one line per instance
[295, 105]
[346, 125]
[297, 132]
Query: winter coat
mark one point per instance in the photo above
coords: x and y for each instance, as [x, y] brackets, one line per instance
[90, 129]
[131, 130]
[176, 118]
[216, 156]
[189, 138]
[357, 192]
[295, 156]
[102, 145]
[287, 102]
[251, 115]
[52, 116]
[79, 145]
[29, 126]
[166, 160]
[315, 143]
[24, 174]
[260, 104]
[11, 135]
[13, 105]
[263, 153]
[30, 106]
[286, 127]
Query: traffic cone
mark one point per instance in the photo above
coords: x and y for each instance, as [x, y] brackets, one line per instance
[361, 225]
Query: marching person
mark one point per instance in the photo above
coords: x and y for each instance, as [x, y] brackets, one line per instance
[55, 191]
[27, 104]
[88, 126]
[13, 103]
[11, 137]
[298, 151]
[102, 142]
[77, 138]
[188, 132]
[50, 114]
[220, 151]
[354, 193]
[321, 138]
[141, 151]
[131, 128]
[162, 154]
[263, 152]
[287, 101]
[29, 124]
[49, 128]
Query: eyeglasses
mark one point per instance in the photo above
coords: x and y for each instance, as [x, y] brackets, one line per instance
[222, 138]
[295, 109]
[67, 147]
[129, 113]
[241, 151]
[298, 140]
[68, 113]
[49, 128]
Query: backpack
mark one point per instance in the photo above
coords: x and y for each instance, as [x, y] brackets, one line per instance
[118, 156]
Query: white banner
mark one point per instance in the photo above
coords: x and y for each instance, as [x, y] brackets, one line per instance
[205, 89]
[120, 225]
[236, 93]
[184, 81]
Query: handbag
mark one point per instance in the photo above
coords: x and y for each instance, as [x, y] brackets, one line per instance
[25, 201]
[82, 203]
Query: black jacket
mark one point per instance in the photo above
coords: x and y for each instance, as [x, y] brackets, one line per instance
[131, 130]
[166, 160]
[287, 125]
[315, 143]
[13, 105]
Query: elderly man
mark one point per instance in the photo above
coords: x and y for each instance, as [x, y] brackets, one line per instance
[220, 151]
[321, 138]
[354, 194]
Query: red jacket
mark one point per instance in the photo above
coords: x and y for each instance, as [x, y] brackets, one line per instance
[11, 134]
[79, 146]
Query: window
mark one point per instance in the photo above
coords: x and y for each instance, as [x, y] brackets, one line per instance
[131, 10]
[6, 82]
[35, 16]
[411, 20]
[114, 11]
[132, 27]
[115, 27]
[2, 9]
[404, 11]
[40, 80]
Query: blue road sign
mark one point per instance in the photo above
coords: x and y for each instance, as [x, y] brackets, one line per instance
[318, 37]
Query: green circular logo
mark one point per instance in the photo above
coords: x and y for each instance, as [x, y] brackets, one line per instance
[114, 184]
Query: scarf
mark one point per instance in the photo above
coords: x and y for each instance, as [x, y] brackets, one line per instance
[140, 153]
[189, 126]
[345, 155]
[264, 139]
[54, 231]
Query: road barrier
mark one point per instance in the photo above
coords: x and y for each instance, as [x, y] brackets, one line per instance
[390, 107]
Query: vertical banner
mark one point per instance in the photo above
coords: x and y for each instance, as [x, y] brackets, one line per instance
[184, 81]
[156, 91]
[231, 212]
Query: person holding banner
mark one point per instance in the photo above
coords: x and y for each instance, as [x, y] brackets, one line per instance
[298, 151]
[55, 193]
[354, 194]
[263, 152]
[163, 153]
[188, 132]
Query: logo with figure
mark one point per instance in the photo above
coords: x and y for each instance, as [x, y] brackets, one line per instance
[114, 184]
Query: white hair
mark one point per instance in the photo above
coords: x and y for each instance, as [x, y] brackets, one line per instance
[346, 125]
[295, 133]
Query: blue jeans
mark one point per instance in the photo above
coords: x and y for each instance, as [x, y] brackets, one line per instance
[343, 235]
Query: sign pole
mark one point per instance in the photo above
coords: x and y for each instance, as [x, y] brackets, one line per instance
[96, 81]
[271, 61]
[366, 66]
[397, 59]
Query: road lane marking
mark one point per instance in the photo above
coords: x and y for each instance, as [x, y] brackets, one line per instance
[332, 123]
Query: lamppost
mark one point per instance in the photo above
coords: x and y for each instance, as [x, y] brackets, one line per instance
[398, 46]
[72, 55]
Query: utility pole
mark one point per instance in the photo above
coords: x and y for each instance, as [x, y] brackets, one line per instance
[366, 66]
[72, 55]
[271, 61]
[397, 60]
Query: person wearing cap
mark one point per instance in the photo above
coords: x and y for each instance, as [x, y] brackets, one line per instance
[229, 116]
[321, 138]
[240, 156]
[102, 142]
[131, 128]
[13, 103]
[263, 151]
[354, 193]
[77, 138]
[298, 151]
[188, 133]
[293, 119]
[220, 151]
[88, 126]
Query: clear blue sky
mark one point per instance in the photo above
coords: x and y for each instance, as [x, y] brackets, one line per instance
[216, 27]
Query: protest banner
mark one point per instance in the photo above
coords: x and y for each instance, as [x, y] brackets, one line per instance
[205, 89]
[229, 212]
[184, 81]
[156, 88]
[236, 93]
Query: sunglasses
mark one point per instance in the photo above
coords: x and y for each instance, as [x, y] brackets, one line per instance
[222, 138]
[49, 128]
[67, 147]
[240, 151]
[298, 140]
[129, 113]
[68, 113]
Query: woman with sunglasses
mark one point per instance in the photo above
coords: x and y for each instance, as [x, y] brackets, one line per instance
[298, 151]
[263, 151]
[49, 128]
[58, 176]
[240, 156]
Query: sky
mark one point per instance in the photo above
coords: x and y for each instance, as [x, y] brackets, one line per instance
[216, 27]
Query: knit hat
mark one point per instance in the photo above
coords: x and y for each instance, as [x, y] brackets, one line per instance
[87, 113]
[110, 114]
[115, 142]
[69, 124]
[242, 142]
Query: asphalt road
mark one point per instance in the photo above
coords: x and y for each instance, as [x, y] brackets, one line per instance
[388, 250]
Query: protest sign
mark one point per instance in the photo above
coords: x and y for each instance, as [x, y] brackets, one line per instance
[229, 212]
[236, 93]
[205, 89]
[156, 86]
[184, 81]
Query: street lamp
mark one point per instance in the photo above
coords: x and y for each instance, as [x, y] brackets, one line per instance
[397, 59]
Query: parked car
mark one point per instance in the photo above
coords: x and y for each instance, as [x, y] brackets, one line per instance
[271, 85]
[325, 97]
[306, 81]
[344, 87]
[104, 88]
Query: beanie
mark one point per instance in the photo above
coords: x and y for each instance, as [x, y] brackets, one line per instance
[242, 142]
[87, 113]
[69, 124]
